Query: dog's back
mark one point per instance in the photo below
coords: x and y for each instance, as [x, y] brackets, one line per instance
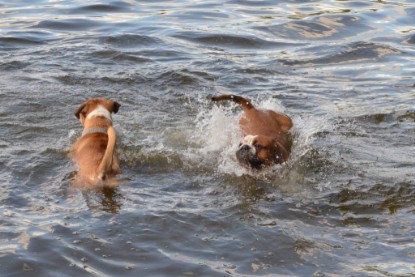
[95, 152]
[270, 121]
[266, 134]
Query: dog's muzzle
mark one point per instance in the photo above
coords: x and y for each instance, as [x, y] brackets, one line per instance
[246, 156]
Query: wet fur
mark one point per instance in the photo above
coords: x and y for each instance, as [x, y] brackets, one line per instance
[268, 131]
[95, 152]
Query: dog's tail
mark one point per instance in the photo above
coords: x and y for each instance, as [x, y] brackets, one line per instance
[245, 103]
[106, 164]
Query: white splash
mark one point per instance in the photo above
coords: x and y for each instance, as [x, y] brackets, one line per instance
[218, 135]
[209, 139]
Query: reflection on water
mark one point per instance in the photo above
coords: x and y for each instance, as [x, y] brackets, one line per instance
[342, 205]
[106, 199]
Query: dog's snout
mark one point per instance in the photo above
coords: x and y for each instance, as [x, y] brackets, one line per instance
[245, 147]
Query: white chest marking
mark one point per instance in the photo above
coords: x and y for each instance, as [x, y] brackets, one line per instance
[100, 111]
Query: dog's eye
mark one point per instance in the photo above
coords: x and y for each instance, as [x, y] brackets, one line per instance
[258, 146]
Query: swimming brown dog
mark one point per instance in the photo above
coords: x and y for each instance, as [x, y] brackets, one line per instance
[266, 135]
[95, 152]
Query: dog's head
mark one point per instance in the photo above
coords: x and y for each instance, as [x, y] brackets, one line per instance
[257, 152]
[97, 107]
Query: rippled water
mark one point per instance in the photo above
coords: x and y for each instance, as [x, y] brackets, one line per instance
[343, 205]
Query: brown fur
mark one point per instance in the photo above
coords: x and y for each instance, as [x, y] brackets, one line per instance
[270, 129]
[95, 152]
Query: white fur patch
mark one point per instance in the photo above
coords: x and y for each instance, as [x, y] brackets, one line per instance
[100, 111]
[249, 139]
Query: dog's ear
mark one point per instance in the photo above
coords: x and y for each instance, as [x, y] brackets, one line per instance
[115, 106]
[79, 110]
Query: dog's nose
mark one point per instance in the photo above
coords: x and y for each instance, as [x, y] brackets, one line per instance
[245, 148]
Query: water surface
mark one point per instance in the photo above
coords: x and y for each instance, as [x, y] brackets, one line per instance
[343, 205]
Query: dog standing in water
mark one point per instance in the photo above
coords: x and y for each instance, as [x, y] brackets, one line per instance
[266, 139]
[94, 152]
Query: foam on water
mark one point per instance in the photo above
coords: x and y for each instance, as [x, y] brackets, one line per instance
[217, 135]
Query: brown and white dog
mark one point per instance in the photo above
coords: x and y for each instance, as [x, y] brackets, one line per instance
[95, 152]
[266, 135]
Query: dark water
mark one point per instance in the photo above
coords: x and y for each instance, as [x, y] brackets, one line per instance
[342, 206]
